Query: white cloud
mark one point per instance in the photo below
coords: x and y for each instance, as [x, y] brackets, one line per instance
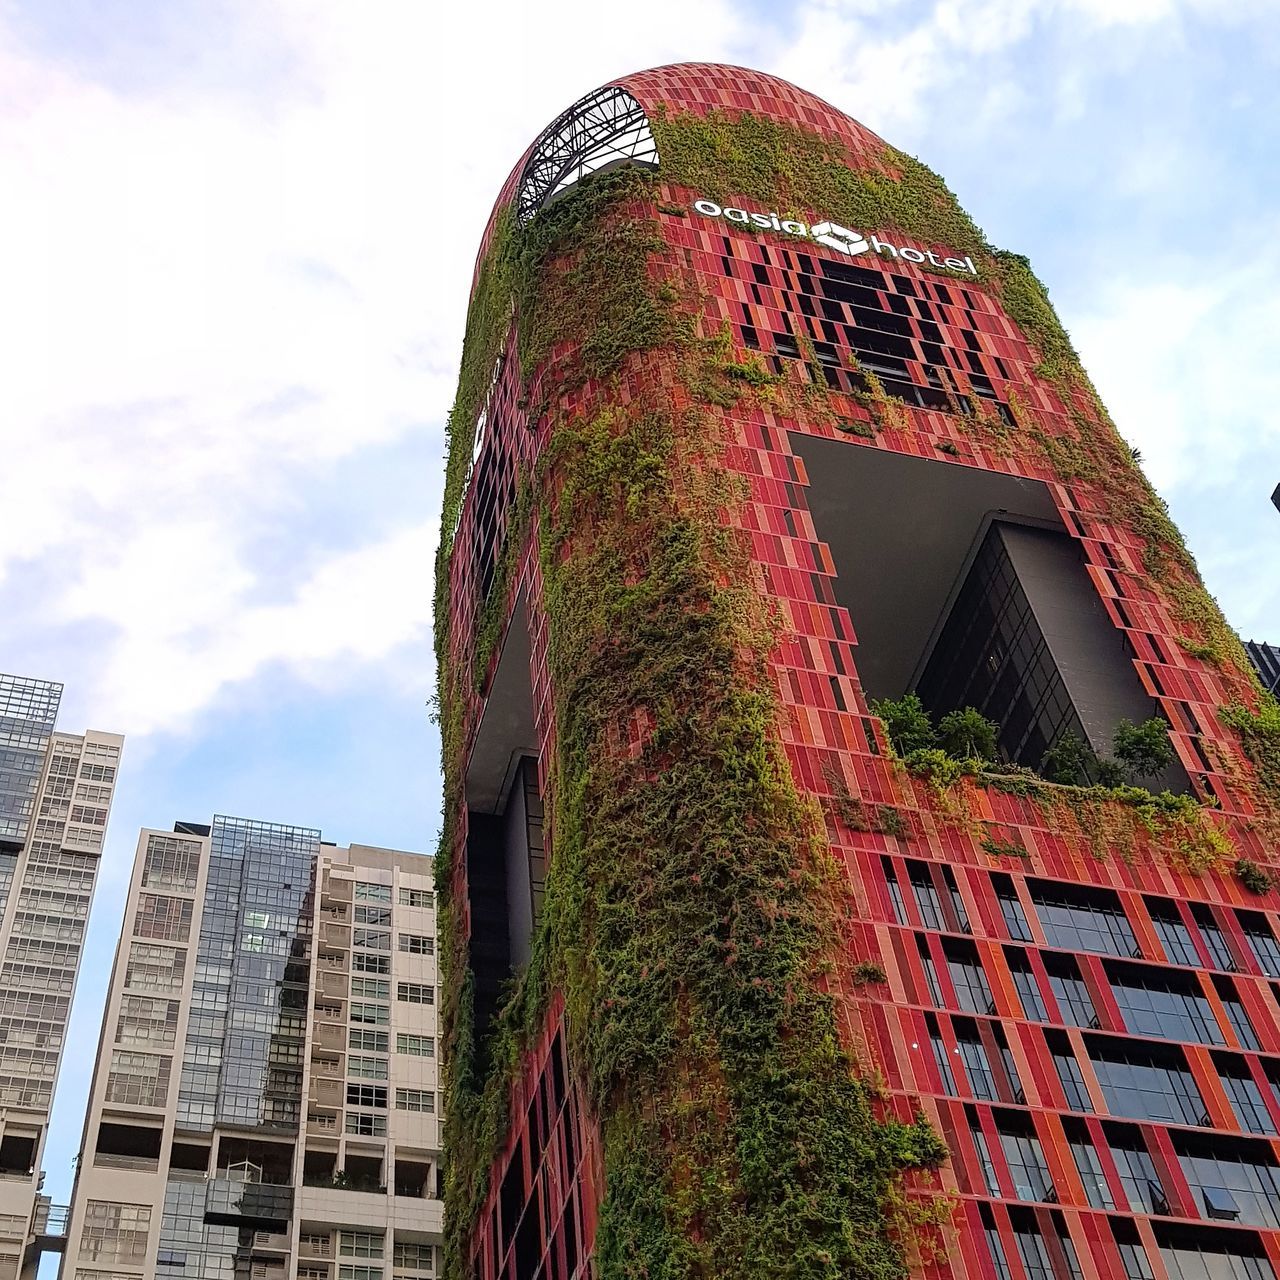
[215, 298]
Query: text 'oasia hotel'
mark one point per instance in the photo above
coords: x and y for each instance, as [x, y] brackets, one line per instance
[857, 812]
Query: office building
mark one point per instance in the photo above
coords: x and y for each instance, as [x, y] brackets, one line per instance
[756, 434]
[55, 798]
[265, 1097]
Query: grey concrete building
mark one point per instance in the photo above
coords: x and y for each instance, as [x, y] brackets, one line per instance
[55, 798]
[265, 1100]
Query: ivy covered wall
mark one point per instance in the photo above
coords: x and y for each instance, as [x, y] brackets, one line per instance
[702, 895]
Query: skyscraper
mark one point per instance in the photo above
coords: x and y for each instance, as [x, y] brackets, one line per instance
[858, 815]
[55, 797]
[264, 1101]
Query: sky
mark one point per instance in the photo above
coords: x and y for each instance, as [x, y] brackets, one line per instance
[236, 239]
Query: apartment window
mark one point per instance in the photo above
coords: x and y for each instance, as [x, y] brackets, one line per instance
[957, 902]
[1166, 1005]
[970, 983]
[1246, 1098]
[1015, 919]
[1138, 1176]
[926, 896]
[1236, 1014]
[1025, 1158]
[995, 1246]
[972, 1052]
[1147, 1082]
[1133, 1257]
[1232, 1181]
[1082, 918]
[152, 968]
[363, 963]
[1034, 1252]
[138, 1079]
[1089, 1167]
[163, 917]
[366, 1095]
[115, 1232]
[1215, 941]
[147, 1021]
[365, 914]
[360, 1244]
[420, 1257]
[1262, 942]
[417, 945]
[895, 891]
[368, 1068]
[415, 1100]
[984, 1155]
[366, 1124]
[371, 939]
[941, 1058]
[376, 1014]
[347, 1271]
[1069, 990]
[171, 863]
[370, 988]
[416, 898]
[1175, 937]
[418, 1046]
[1024, 980]
[1070, 1077]
[930, 972]
[415, 993]
[370, 1041]
[366, 892]
[1203, 1253]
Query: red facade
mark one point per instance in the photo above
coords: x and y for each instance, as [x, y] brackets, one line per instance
[1104, 1066]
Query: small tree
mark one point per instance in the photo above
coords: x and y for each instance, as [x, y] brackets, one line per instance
[968, 735]
[1144, 749]
[906, 722]
[1068, 761]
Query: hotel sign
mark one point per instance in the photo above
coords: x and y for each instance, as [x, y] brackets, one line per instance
[834, 236]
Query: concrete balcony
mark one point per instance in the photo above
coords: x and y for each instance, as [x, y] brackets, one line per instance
[336, 936]
[329, 1035]
[327, 1092]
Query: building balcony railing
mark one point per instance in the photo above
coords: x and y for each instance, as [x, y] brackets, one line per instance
[270, 1242]
[320, 1122]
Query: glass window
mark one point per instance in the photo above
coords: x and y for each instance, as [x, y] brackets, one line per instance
[1229, 1186]
[419, 1046]
[970, 983]
[1072, 1080]
[940, 1058]
[1246, 1099]
[416, 898]
[1138, 1176]
[377, 1014]
[1175, 937]
[895, 892]
[371, 939]
[1262, 942]
[360, 1244]
[370, 988]
[368, 1040]
[363, 963]
[415, 993]
[366, 1095]
[1215, 941]
[1024, 980]
[368, 1068]
[1015, 919]
[415, 1100]
[366, 892]
[984, 1159]
[416, 944]
[1027, 1167]
[1083, 918]
[418, 1256]
[367, 1124]
[365, 914]
[926, 896]
[1236, 1014]
[1147, 1083]
[1092, 1178]
[1074, 1002]
[1169, 1006]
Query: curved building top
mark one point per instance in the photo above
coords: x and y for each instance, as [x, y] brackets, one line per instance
[610, 126]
